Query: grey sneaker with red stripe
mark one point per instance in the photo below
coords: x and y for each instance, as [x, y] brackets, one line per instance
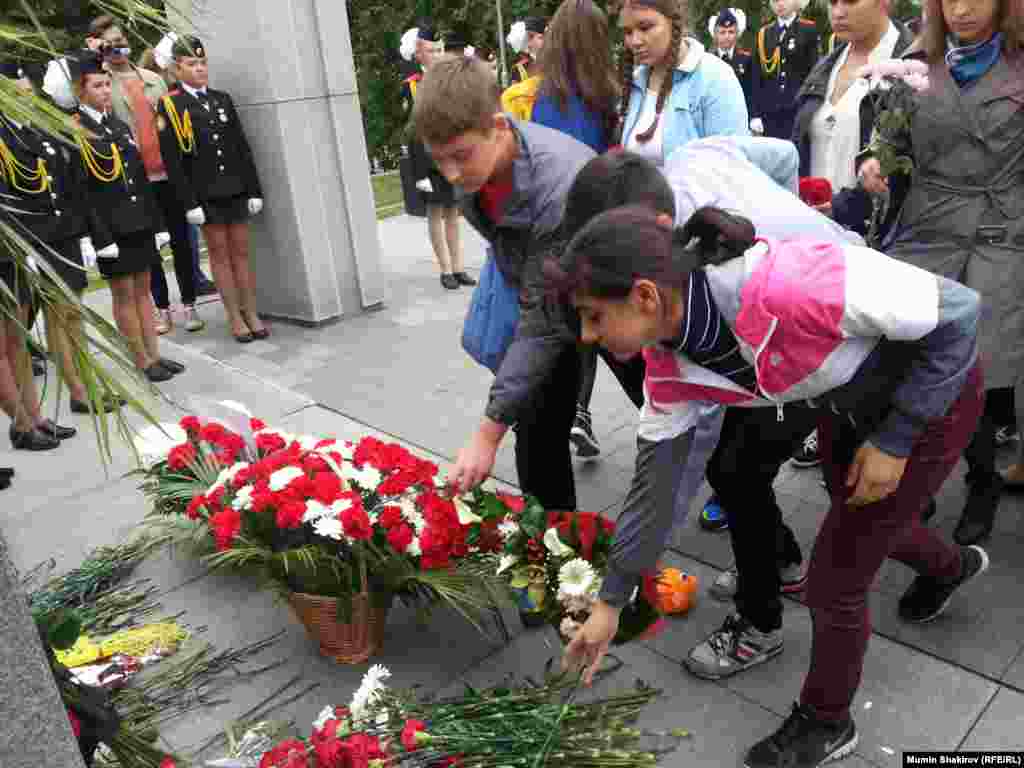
[737, 646]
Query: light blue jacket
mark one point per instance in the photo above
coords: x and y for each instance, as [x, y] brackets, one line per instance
[706, 100]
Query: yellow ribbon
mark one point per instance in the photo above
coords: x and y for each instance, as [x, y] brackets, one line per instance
[16, 174]
[182, 127]
[767, 66]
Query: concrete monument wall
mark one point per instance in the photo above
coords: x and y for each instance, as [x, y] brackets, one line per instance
[288, 65]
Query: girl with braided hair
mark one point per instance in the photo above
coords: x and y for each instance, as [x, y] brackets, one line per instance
[673, 90]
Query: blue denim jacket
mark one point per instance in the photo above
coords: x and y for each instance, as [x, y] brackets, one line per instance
[706, 100]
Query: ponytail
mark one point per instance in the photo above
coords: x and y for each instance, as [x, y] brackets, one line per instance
[720, 235]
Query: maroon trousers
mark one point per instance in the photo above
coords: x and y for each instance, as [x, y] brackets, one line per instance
[853, 543]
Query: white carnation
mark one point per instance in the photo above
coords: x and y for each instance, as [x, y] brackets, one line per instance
[414, 549]
[466, 515]
[412, 515]
[555, 545]
[367, 478]
[243, 498]
[315, 510]
[154, 442]
[327, 713]
[279, 480]
[329, 528]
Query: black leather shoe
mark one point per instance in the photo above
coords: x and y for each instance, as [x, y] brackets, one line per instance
[464, 279]
[156, 373]
[206, 289]
[108, 405]
[171, 365]
[32, 440]
[450, 282]
[980, 512]
[52, 429]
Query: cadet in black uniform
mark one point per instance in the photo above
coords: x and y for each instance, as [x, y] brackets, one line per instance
[526, 38]
[19, 398]
[47, 189]
[124, 215]
[726, 28]
[211, 169]
[442, 214]
[784, 54]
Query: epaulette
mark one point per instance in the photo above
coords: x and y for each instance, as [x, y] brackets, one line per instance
[808, 22]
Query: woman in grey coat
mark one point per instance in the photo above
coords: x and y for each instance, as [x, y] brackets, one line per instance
[962, 215]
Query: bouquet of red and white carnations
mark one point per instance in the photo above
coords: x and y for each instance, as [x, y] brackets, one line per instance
[555, 563]
[326, 517]
[529, 725]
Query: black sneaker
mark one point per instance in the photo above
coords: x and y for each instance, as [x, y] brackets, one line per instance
[804, 741]
[807, 455]
[927, 598]
[1007, 435]
[582, 436]
[464, 279]
[449, 281]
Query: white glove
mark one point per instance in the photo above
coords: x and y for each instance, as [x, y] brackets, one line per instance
[757, 126]
[110, 252]
[162, 239]
[196, 216]
[255, 205]
[88, 253]
[57, 84]
[424, 185]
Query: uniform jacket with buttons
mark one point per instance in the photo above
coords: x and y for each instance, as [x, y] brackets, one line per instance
[59, 212]
[798, 46]
[742, 62]
[220, 165]
[124, 206]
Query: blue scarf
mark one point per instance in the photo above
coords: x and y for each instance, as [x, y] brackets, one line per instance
[969, 63]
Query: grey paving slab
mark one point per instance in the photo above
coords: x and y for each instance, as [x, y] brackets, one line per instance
[1000, 725]
[1015, 674]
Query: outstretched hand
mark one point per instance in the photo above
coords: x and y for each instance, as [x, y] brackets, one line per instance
[587, 649]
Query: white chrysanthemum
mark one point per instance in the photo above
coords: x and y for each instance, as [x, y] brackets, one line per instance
[315, 510]
[279, 480]
[243, 498]
[227, 475]
[506, 562]
[367, 478]
[576, 578]
[555, 545]
[154, 442]
[466, 515]
[508, 528]
[329, 528]
[369, 692]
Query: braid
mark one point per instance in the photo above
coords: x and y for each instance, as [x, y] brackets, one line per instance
[666, 84]
[626, 71]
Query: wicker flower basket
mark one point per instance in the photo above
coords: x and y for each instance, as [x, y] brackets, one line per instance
[351, 643]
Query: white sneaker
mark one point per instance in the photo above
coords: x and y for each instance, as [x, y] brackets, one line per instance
[792, 578]
[724, 587]
[162, 322]
[193, 322]
[424, 185]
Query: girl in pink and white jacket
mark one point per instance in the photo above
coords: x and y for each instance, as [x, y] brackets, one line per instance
[885, 351]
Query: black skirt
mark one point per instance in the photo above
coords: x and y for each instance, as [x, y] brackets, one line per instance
[423, 167]
[15, 281]
[136, 253]
[229, 210]
[69, 266]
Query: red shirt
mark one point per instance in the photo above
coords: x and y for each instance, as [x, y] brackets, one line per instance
[492, 199]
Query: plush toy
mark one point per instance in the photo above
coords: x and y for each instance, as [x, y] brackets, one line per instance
[676, 591]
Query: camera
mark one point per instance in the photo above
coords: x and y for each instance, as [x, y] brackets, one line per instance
[108, 50]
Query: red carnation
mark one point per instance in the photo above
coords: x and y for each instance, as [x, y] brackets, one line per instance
[194, 506]
[215, 498]
[390, 517]
[314, 463]
[213, 433]
[362, 748]
[409, 731]
[400, 537]
[356, 523]
[516, 503]
[181, 456]
[490, 539]
[287, 754]
[397, 483]
[367, 452]
[191, 425]
[168, 762]
[244, 476]
[226, 525]
[256, 425]
[289, 514]
[424, 472]
[326, 488]
[269, 443]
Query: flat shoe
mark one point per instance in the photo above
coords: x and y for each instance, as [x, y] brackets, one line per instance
[108, 405]
[32, 440]
[171, 365]
[51, 429]
[156, 373]
[244, 338]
